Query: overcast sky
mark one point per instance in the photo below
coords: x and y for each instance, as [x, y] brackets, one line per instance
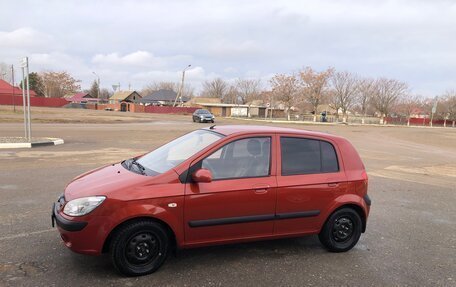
[139, 42]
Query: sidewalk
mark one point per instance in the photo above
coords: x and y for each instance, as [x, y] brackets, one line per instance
[20, 142]
[334, 123]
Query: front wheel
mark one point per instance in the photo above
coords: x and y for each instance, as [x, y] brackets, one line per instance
[139, 248]
[212, 121]
[341, 231]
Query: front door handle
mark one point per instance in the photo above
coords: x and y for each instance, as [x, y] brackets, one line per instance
[333, 184]
[261, 189]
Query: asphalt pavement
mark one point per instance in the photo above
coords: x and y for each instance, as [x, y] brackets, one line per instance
[410, 238]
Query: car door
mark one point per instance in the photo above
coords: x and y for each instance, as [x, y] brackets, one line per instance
[240, 200]
[310, 176]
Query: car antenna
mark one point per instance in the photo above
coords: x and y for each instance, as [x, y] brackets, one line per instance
[212, 127]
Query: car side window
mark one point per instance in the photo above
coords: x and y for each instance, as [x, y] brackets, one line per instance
[307, 156]
[328, 157]
[242, 158]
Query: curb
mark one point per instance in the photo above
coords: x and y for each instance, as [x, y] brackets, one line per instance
[49, 142]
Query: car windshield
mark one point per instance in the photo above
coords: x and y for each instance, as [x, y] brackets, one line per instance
[175, 152]
[203, 112]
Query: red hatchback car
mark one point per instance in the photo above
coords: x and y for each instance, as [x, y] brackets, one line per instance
[217, 185]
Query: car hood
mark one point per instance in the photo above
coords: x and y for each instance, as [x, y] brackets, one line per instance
[113, 181]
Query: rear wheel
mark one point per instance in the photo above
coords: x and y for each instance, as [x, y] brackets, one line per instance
[139, 248]
[341, 231]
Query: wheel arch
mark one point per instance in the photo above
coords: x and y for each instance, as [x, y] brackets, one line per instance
[113, 232]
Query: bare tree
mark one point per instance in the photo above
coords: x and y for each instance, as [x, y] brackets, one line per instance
[313, 86]
[248, 90]
[187, 91]
[344, 91]
[386, 94]
[5, 72]
[105, 94]
[231, 95]
[449, 104]
[409, 104]
[285, 89]
[155, 86]
[216, 88]
[365, 90]
[59, 84]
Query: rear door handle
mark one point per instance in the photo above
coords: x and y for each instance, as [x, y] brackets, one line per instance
[333, 184]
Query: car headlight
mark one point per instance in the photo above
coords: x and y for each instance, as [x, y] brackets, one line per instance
[82, 206]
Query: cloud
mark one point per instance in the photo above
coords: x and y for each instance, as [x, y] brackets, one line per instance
[142, 41]
[25, 38]
[138, 58]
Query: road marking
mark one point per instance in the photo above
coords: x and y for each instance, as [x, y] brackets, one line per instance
[25, 234]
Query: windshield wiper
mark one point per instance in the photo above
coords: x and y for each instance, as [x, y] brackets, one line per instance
[140, 166]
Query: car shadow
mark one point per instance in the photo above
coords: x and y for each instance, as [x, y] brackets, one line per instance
[205, 257]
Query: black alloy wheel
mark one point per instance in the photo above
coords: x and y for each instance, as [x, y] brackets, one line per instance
[342, 230]
[139, 248]
[142, 248]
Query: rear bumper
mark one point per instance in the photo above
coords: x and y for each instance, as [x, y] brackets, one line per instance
[367, 200]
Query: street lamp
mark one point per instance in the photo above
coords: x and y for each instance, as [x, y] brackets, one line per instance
[98, 82]
[179, 94]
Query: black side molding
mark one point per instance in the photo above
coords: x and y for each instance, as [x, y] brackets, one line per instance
[230, 220]
[367, 199]
[64, 223]
[291, 215]
[252, 218]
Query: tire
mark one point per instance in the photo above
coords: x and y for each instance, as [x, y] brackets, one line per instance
[212, 121]
[139, 248]
[193, 119]
[341, 231]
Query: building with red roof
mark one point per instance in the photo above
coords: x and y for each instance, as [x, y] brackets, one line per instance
[81, 98]
[7, 90]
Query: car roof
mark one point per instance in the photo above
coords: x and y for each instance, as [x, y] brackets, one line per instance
[249, 129]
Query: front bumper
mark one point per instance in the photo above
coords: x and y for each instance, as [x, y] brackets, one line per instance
[86, 237]
[64, 223]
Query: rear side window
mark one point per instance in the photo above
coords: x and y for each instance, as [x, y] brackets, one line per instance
[307, 156]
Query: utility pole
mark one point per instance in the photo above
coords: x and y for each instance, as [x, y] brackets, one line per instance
[179, 93]
[12, 82]
[26, 98]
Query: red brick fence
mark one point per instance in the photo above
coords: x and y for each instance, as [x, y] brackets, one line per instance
[34, 101]
[130, 107]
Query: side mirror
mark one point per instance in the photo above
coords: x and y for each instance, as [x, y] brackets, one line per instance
[202, 175]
